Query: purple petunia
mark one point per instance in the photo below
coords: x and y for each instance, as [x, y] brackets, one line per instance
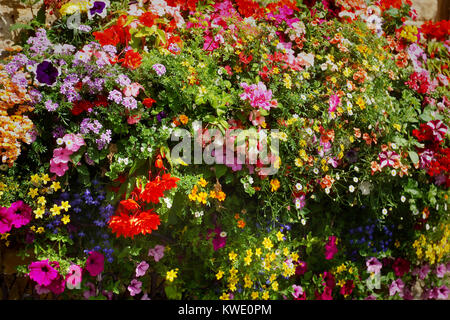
[46, 73]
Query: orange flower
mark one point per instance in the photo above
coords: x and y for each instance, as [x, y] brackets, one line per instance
[375, 167]
[132, 60]
[357, 133]
[184, 119]
[241, 224]
[148, 102]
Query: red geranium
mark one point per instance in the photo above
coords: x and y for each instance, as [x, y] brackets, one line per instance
[130, 225]
[81, 106]
[132, 59]
[118, 33]
[439, 30]
[147, 19]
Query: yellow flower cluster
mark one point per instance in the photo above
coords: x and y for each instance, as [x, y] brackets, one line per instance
[202, 196]
[14, 126]
[74, 6]
[430, 251]
[409, 33]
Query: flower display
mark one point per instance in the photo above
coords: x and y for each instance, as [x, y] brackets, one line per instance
[233, 149]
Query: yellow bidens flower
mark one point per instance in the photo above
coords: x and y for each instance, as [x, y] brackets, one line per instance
[267, 243]
[171, 275]
[55, 185]
[275, 185]
[65, 205]
[65, 219]
[224, 296]
[219, 275]
[55, 210]
[280, 236]
[39, 213]
[202, 182]
[232, 255]
[33, 192]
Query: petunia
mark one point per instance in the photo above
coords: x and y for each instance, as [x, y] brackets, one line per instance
[6, 220]
[42, 272]
[91, 292]
[373, 265]
[441, 270]
[135, 287]
[157, 252]
[396, 286]
[58, 168]
[98, 8]
[95, 263]
[330, 248]
[141, 269]
[46, 73]
[21, 213]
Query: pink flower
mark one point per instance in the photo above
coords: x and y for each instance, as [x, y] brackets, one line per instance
[334, 102]
[258, 96]
[91, 292]
[133, 119]
[388, 158]
[95, 263]
[145, 296]
[373, 265]
[42, 272]
[135, 287]
[441, 270]
[21, 213]
[41, 289]
[298, 292]
[73, 141]
[132, 89]
[6, 220]
[57, 285]
[58, 168]
[330, 248]
[157, 252]
[73, 278]
[438, 128]
[301, 268]
[256, 118]
[61, 155]
[441, 293]
[219, 240]
[141, 269]
[396, 286]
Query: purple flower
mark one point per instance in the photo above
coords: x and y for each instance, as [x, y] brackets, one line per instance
[141, 269]
[115, 96]
[46, 73]
[123, 80]
[219, 240]
[396, 286]
[98, 8]
[20, 79]
[35, 96]
[423, 272]
[373, 265]
[441, 270]
[90, 292]
[84, 28]
[39, 43]
[135, 287]
[157, 253]
[160, 69]
[51, 106]
[298, 291]
[441, 293]
[129, 103]
[161, 116]
[21, 212]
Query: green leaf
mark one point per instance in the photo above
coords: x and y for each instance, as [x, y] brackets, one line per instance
[221, 169]
[172, 292]
[17, 26]
[414, 157]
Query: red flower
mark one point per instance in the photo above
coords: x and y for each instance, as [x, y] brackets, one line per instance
[115, 34]
[130, 225]
[147, 19]
[400, 266]
[81, 106]
[148, 102]
[132, 59]
[439, 30]
[347, 288]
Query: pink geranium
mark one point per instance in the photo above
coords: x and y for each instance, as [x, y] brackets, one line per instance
[258, 96]
[73, 141]
[42, 272]
[95, 263]
[330, 248]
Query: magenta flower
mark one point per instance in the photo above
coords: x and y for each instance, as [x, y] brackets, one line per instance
[42, 272]
[301, 268]
[333, 102]
[73, 278]
[21, 213]
[219, 240]
[396, 286]
[258, 96]
[95, 263]
[6, 220]
[423, 272]
[61, 155]
[141, 269]
[373, 265]
[441, 293]
[298, 291]
[73, 141]
[157, 252]
[57, 285]
[91, 292]
[388, 158]
[135, 287]
[330, 248]
[441, 270]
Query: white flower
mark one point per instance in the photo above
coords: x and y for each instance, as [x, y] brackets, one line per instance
[365, 187]
[402, 198]
[394, 146]
[351, 188]
[250, 179]
[327, 190]
[356, 169]
[303, 97]
[223, 234]
[338, 177]
[316, 171]
[198, 214]
[168, 202]
[59, 141]
[298, 186]
[303, 221]
[355, 179]
[309, 131]
[384, 211]
[393, 172]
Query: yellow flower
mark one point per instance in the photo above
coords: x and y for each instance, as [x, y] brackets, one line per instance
[224, 296]
[294, 256]
[33, 192]
[267, 243]
[184, 119]
[265, 295]
[39, 212]
[232, 286]
[171, 275]
[55, 210]
[35, 179]
[298, 162]
[65, 205]
[247, 260]
[41, 200]
[202, 182]
[280, 236]
[65, 219]
[55, 185]
[40, 230]
[232, 255]
[275, 185]
[275, 286]
[219, 275]
[4, 236]
[202, 197]
[45, 178]
[258, 251]
[255, 295]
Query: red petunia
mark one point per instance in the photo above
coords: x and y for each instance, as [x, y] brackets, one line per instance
[132, 59]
